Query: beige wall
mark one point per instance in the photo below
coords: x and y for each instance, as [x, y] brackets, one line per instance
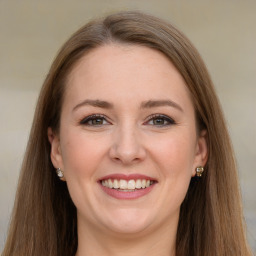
[32, 31]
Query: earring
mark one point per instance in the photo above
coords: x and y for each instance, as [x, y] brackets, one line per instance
[60, 173]
[199, 171]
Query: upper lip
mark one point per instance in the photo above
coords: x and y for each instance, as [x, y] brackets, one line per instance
[120, 176]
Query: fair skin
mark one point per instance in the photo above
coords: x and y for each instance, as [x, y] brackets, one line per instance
[127, 115]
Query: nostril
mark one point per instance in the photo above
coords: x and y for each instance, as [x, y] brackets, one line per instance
[127, 147]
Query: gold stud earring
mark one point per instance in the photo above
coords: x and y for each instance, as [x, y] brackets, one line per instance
[199, 171]
[60, 173]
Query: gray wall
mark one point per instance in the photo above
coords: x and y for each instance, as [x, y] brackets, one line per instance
[31, 32]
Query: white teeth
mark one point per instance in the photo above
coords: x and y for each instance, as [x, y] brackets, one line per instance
[131, 184]
[127, 185]
[110, 184]
[115, 184]
[138, 184]
[123, 184]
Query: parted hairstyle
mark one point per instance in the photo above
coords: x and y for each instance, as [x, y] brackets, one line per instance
[44, 221]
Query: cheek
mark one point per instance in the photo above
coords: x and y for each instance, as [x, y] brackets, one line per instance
[175, 153]
[177, 166]
[81, 154]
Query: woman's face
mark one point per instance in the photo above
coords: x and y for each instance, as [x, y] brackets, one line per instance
[128, 144]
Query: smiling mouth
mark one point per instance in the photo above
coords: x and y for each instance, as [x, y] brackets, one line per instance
[127, 185]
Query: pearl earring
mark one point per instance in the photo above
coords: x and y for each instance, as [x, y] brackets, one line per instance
[60, 173]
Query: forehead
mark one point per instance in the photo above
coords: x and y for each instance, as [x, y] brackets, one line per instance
[125, 72]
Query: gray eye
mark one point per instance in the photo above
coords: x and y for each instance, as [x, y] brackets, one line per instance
[160, 120]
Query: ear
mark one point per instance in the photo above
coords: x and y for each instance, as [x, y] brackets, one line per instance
[201, 155]
[56, 156]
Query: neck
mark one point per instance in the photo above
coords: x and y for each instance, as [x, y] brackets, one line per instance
[160, 242]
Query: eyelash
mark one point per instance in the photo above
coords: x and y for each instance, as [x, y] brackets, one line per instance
[167, 120]
[89, 120]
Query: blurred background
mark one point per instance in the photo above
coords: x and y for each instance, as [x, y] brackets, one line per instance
[31, 32]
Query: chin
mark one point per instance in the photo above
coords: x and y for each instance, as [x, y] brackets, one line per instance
[128, 221]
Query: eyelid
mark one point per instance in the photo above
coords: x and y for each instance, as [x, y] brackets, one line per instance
[86, 119]
[160, 116]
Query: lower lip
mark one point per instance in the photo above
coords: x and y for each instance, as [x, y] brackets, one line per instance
[118, 194]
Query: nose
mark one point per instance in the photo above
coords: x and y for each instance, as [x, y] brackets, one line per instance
[127, 147]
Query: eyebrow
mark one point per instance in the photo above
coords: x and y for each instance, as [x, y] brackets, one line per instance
[161, 103]
[145, 104]
[94, 103]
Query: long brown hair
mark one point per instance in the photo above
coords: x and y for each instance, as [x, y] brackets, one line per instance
[44, 217]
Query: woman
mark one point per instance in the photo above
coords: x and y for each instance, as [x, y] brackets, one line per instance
[129, 119]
